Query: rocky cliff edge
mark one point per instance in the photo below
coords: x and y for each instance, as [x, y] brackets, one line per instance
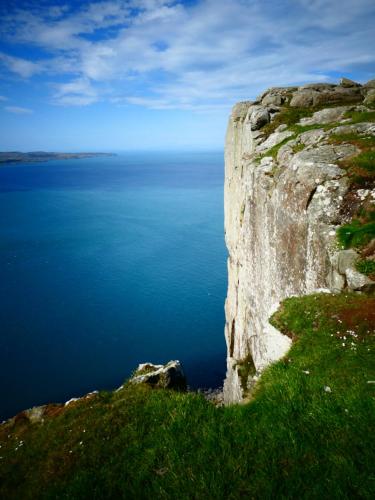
[299, 211]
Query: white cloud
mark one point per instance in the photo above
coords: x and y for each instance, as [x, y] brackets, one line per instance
[77, 92]
[3, 98]
[21, 67]
[164, 54]
[18, 110]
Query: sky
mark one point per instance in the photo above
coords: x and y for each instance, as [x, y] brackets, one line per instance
[117, 75]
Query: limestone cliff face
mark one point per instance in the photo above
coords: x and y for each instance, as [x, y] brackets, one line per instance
[286, 192]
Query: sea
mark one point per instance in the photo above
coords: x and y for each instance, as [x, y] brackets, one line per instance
[106, 263]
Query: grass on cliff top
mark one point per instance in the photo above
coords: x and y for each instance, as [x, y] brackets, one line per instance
[308, 432]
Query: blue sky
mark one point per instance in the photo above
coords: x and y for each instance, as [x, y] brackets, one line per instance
[154, 74]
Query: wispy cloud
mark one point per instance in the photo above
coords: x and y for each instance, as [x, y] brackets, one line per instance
[18, 110]
[79, 92]
[21, 67]
[163, 54]
[3, 98]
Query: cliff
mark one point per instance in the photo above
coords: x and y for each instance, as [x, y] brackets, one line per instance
[299, 211]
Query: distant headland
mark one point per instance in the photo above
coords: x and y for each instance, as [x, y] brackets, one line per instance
[37, 156]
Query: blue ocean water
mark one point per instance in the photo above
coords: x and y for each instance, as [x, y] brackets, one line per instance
[106, 263]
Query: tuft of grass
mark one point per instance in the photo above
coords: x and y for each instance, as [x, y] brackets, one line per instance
[356, 233]
[298, 147]
[360, 116]
[296, 439]
[365, 161]
[353, 138]
[366, 266]
[288, 116]
[275, 149]
[245, 369]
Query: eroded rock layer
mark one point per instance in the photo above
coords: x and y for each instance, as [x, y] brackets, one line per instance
[289, 185]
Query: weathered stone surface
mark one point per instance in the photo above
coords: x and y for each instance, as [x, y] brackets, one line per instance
[358, 281]
[259, 117]
[273, 140]
[169, 376]
[324, 116]
[370, 84]
[240, 110]
[346, 260]
[370, 97]
[272, 99]
[346, 82]
[317, 86]
[315, 95]
[303, 98]
[281, 217]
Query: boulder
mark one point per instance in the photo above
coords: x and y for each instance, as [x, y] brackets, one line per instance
[169, 376]
[358, 281]
[259, 117]
[324, 116]
[303, 98]
[347, 260]
[273, 99]
[317, 95]
[370, 97]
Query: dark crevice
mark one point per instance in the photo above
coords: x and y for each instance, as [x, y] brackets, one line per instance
[231, 339]
[310, 197]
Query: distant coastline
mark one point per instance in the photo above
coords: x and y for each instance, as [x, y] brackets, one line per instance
[38, 156]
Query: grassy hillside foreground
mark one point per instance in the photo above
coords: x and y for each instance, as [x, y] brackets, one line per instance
[307, 433]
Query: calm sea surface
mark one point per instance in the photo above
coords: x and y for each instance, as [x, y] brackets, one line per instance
[106, 263]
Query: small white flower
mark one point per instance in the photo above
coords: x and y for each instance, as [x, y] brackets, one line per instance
[327, 388]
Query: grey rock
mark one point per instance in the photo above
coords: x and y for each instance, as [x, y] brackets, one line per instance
[359, 128]
[303, 98]
[339, 95]
[317, 86]
[311, 137]
[273, 99]
[239, 110]
[319, 95]
[358, 281]
[259, 117]
[370, 97]
[346, 260]
[273, 140]
[370, 84]
[327, 154]
[169, 376]
[346, 82]
[327, 115]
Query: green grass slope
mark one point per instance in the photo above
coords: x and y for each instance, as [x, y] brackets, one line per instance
[307, 432]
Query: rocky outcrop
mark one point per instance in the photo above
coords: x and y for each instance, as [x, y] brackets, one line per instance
[286, 192]
[169, 376]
